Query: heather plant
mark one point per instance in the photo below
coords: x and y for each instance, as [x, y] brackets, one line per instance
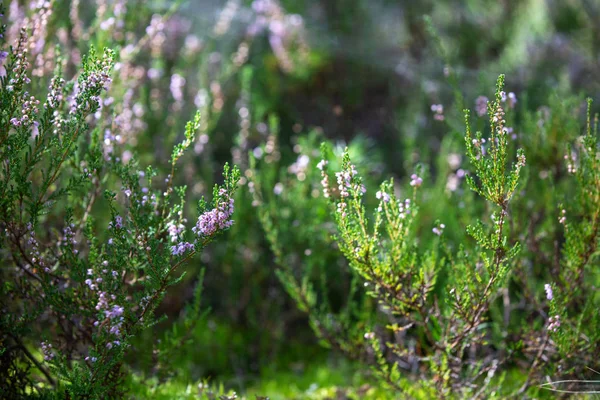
[286, 196]
[440, 289]
[79, 286]
[440, 304]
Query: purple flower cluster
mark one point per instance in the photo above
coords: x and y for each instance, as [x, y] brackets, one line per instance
[114, 316]
[28, 112]
[415, 180]
[174, 230]
[55, 95]
[325, 178]
[216, 219]
[21, 66]
[117, 224]
[554, 323]
[33, 244]
[344, 180]
[47, 351]
[383, 196]
[181, 248]
[94, 81]
[68, 236]
[404, 208]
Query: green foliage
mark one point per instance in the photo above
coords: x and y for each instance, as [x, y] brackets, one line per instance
[88, 291]
[445, 300]
[465, 274]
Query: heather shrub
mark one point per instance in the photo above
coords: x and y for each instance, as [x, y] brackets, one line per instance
[450, 309]
[470, 272]
[90, 242]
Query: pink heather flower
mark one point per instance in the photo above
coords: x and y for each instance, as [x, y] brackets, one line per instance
[216, 219]
[343, 180]
[548, 289]
[47, 351]
[554, 323]
[118, 224]
[174, 230]
[563, 217]
[404, 208]
[415, 180]
[383, 196]
[115, 312]
[181, 248]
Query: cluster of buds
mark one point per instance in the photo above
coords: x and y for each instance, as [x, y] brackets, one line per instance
[21, 65]
[94, 80]
[28, 112]
[571, 167]
[55, 95]
[216, 219]
[91, 282]
[383, 196]
[554, 323]
[68, 235]
[478, 142]
[324, 178]
[548, 289]
[344, 180]
[415, 180]
[521, 160]
[563, 217]
[33, 244]
[404, 208]
[498, 118]
[47, 351]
